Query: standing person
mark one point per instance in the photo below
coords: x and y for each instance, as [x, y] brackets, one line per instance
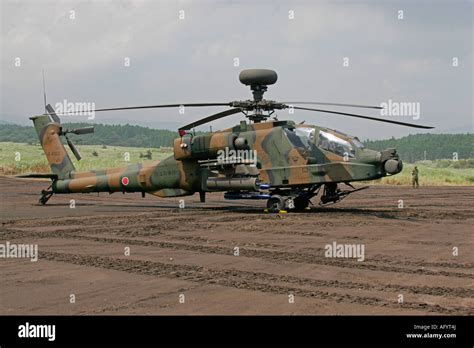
[414, 177]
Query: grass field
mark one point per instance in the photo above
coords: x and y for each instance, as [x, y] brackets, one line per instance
[20, 158]
[432, 175]
[32, 160]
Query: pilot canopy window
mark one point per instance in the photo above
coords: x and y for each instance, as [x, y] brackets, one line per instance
[301, 137]
[334, 144]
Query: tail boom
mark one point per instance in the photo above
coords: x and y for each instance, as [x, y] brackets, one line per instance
[153, 178]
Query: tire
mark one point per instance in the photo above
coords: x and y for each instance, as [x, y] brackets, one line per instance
[300, 203]
[275, 203]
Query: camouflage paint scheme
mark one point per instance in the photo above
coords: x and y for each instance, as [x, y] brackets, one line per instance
[282, 161]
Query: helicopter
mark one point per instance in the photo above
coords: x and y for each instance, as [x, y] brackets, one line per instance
[284, 163]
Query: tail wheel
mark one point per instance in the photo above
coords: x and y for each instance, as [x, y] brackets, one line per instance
[43, 200]
[45, 196]
[275, 203]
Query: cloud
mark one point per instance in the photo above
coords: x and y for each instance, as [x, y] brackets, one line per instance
[192, 60]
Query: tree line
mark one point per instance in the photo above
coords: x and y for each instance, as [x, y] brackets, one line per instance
[428, 146]
[112, 135]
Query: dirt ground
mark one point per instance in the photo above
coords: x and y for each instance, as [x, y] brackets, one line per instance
[182, 261]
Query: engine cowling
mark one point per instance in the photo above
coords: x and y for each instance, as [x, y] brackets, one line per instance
[207, 146]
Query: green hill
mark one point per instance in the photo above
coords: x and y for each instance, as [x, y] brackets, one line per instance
[113, 135]
[437, 146]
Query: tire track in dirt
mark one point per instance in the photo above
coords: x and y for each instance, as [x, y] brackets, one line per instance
[413, 263]
[148, 224]
[222, 215]
[436, 291]
[236, 279]
[273, 255]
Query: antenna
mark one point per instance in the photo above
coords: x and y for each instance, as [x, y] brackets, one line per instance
[44, 94]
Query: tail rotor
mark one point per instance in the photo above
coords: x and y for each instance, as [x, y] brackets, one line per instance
[64, 132]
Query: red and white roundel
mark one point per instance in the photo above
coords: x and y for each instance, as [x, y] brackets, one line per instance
[125, 181]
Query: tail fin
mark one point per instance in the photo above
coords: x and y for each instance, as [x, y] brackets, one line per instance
[58, 158]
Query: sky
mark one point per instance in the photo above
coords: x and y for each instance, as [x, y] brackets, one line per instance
[126, 53]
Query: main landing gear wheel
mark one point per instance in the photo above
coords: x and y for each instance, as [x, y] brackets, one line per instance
[275, 203]
[300, 203]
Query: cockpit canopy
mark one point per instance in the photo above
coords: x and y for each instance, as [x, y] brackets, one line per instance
[332, 143]
[301, 137]
[305, 137]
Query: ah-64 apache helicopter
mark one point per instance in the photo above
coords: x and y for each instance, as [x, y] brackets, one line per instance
[280, 161]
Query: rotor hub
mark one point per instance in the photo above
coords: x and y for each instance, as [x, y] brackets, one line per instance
[258, 110]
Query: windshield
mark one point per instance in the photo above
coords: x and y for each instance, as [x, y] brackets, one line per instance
[357, 143]
[334, 144]
[301, 137]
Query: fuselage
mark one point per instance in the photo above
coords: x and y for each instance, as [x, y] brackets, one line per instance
[286, 155]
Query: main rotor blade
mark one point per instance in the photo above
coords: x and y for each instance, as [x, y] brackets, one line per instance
[367, 118]
[149, 107]
[210, 118]
[336, 104]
